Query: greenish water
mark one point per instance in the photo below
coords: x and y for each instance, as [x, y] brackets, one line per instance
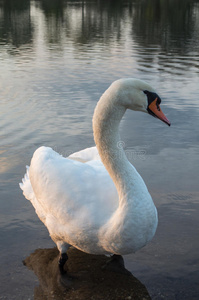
[56, 59]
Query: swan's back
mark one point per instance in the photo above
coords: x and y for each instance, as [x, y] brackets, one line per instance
[86, 155]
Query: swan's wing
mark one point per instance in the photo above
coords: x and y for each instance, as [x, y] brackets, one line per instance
[72, 191]
[86, 155]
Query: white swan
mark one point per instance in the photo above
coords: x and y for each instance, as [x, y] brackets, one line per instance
[98, 206]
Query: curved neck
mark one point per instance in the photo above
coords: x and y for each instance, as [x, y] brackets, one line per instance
[106, 120]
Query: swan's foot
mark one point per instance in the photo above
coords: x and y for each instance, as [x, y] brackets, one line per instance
[62, 260]
[64, 278]
[116, 264]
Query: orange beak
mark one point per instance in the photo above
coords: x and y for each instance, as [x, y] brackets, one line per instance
[155, 110]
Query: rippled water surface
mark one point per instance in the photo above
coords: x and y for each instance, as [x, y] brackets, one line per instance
[56, 59]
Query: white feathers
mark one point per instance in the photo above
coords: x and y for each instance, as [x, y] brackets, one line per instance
[26, 185]
[86, 155]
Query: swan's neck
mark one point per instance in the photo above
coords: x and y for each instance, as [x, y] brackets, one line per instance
[106, 120]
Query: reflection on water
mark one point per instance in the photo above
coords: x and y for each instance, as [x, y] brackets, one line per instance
[16, 28]
[90, 281]
[57, 58]
[87, 22]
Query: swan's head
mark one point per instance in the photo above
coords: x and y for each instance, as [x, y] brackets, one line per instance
[138, 95]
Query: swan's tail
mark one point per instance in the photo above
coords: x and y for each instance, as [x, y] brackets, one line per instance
[28, 192]
[26, 186]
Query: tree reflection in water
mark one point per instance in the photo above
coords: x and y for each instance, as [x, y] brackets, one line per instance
[167, 24]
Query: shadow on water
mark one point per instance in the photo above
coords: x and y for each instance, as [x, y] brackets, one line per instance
[90, 280]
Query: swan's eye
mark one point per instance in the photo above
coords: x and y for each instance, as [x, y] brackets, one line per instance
[158, 101]
[158, 104]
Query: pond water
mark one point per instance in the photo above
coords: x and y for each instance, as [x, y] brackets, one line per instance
[56, 59]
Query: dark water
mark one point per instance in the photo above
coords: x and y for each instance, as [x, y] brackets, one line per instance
[56, 59]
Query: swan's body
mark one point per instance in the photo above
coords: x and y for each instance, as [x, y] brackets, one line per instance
[100, 206]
